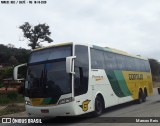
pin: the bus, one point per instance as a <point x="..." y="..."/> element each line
<point x="74" y="79"/>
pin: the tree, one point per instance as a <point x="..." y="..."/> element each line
<point x="10" y="45"/>
<point x="37" y="34"/>
<point x="12" y="56"/>
<point x="13" y="60"/>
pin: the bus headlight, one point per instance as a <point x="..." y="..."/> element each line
<point x="66" y="100"/>
<point x="28" y="103"/>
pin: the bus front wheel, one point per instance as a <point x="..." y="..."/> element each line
<point x="99" y="106"/>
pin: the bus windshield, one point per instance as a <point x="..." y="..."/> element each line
<point x="50" y="54"/>
<point x="46" y="76"/>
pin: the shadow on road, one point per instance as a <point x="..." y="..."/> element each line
<point x="88" y="118"/>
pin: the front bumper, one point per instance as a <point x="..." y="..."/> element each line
<point x="53" y="111"/>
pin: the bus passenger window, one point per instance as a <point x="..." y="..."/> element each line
<point x="97" y="59"/>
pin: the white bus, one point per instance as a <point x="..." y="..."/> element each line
<point x="73" y="79"/>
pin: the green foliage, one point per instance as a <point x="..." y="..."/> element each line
<point x="10" y="56"/>
<point x="4" y="101"/>
<point x="36" y="34"/>
<point x="12" y="95"/>
<point x="6" y="98"/>
<point x="1" y="85"/>
<point x="6" y="73"/>
<point x="13" y="60"/>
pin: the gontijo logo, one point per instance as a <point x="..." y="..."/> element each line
<point x="135" y="76"/>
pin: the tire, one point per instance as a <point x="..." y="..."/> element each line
<point x="158" y="90"/>
<point x="145" y="94"/>
<point x="144" y="97"/>
<point x="140" y="97"/>
<point x="99" y="106"/>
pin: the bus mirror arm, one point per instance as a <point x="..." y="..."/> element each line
<point x="15" y="72"/>
<point x="69" y="64"/>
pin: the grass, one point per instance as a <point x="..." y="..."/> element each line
<point x="9" y="100"/>
<point x="12" y="108"/>
<point x="11" y="97"/>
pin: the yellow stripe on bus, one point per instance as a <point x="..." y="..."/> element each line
<point x="137" y="80"/>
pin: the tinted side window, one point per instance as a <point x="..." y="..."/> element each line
<point x="142" y="65"/>
<point x="147" y="66"/>
<point x="130" y="65"/>
<point x="81" y="53"/>
<point x="97" y="59"/>
<point x="137" y="64"/>
<point x="110" y="61"/>
<point x="121" y="62"/>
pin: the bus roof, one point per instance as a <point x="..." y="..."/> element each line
<point x="117" y="51"/>
<point x="55" y="45"/>
<point x="108" y="49"/>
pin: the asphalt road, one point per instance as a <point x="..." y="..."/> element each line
<point x="150" y="110"/>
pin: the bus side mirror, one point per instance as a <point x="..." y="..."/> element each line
<point x="15" y="72"/>
<point x="69" y="64"/>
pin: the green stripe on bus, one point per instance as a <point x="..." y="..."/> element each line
<point x="122" y="82"/>
<point x="114" y="83"/>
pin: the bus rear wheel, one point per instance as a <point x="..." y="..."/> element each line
<point x="99" y="106"/>
<point x="145" y="94"/>
<point x="158" y="90"/>
<point x="140" y="97"/>
<point x="144" y="97"/>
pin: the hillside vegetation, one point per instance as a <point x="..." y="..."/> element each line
<point x="10" y="57"/>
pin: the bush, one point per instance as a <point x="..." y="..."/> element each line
<point x="6" y="73"/>
<point x="4" y="101"/>
<point x="1" y="85"/>
<point x="12" y="95"/>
